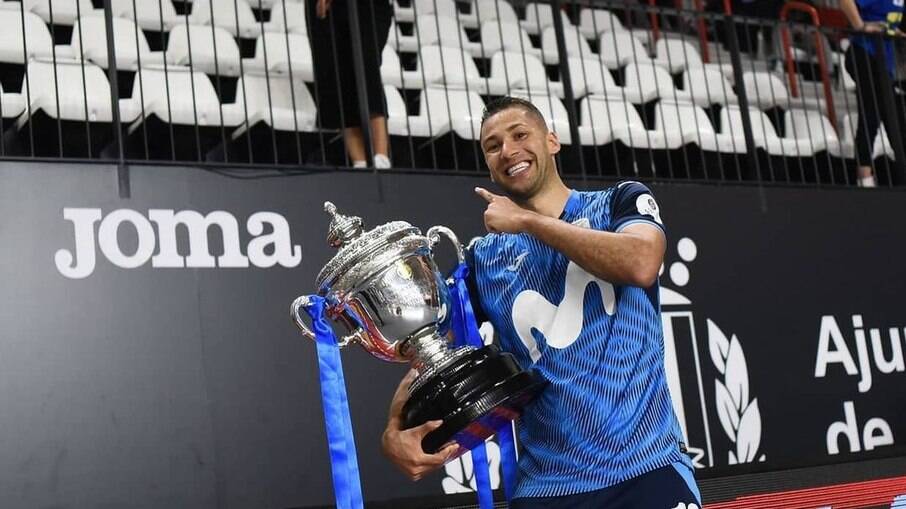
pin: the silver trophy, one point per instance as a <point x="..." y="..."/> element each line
<point x="384" y="290"/>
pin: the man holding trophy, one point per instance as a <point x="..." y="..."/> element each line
<point x="569" y="281"/>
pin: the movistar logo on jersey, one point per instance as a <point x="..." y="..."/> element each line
<point x="560" y="323"/>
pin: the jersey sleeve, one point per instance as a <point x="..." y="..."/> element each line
<point x="632" y="203"/>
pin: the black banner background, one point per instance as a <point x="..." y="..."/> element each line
<point x="163" y="387"/>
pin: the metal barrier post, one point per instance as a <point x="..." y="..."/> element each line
<point x="568" y="88"/>
<point x="358" y="61"/>
<point x="122" y="171"/>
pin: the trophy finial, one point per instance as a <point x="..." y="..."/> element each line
<point x="342" y="228"/>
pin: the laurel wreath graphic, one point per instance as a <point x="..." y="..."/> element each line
<point x="739" y="417"/>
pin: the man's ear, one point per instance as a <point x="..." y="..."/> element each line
<point x="553" y="142"/>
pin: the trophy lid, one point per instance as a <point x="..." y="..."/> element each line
<point x="363" y="252"/>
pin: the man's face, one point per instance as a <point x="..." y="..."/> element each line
<point x="519" y="151"/>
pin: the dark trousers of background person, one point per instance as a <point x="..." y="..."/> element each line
<point x="870" y="74"/>
<point x="331" y="48"/>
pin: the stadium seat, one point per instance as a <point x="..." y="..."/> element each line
<point x="462" y="108"/>
<point x="522" y="71"/>
<point x="594" y="21"/>
<point x="274" y="100"/>
<point x="539" y="16"/>
<point x="37" y="41"/>
<point x="213" y="49"/>
<point x="429" y="123"/>
<point x="392" y="72"/>
<point x="74" y="99"/>
<point x="431" y="30"/>
<point x="271" y="54"/>
<point x="576" y="45"/>
<point x="234" y="16"/>
<point x="11" y="105"/>
<point x="59" y="12"/>
<point x="89" y="37"/>
<point x="705" y="86"/>
<point x="150" y="15"/>
<point x="176" y="95"/>
<point x="619" y="48"/>
<point x="483" y="11"/>
<point x="589" y="76"/>
<point x="676" y="54"/>
<point x="610" y="118"/>
<point x="765" y="90"/>
<point x="765" y="135"/>
<point x="287" y="16"/>
<point x="695" y="127"/>
<point x="647" y="81"/>
<point x="499" y="35"/>
<point x="813" y="125"/>
<point x="553" y="111"/>
<point x="453" y="67"/>
<point x="422" y="7"/>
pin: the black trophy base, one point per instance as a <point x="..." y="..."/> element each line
<point x="475" y="396"/>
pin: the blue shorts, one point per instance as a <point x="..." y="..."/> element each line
<point x="669" y="487"/>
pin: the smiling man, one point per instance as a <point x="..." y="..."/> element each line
<point x="581" y="307"/>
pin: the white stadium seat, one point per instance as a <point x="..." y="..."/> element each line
<point x="539" y="16"/>
<point x="676" y="54"/>
<point x="608" y="118"/>
<point x="507" y="36"/>
<point x="89" y="37"/>
<point x="38" y="41"/>
<point x="594" y="21"/>
<point x="521" y="71"/>
<point x="694" y="126"/>
<point x="589" y="76"/>
<point x="392" y="72"/>
<point x="59" y="12"/>
<point x="430" y="30"/>
<point x="74" y="99"/>
<point x="150" y="15"/>
<point x="422" y="7"/>
<point x="429" y="123"/>
<point x="204" y="40"/>
<point x="11" y="105"/>
<point x="765" y="90"/>
<point x="705" y="86"/>
<point x="619" y="48"/>
<point x="483" y="11"/>
<point x="814" y="125"/>
<point x="766" y="136"/>
<point x="576" y="45"/>
<point x="647" y="81"/>
<point x="453" y="67"/>
<point x="234" y="16"/>
<point x="275" y="100"/>
<point x="177" y="95"/>
<point x="271" y="54"/>
<point x="287" y="17"/>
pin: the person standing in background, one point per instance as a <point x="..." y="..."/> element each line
<point x="332" y="56"/>
<point x="867" y="67"/>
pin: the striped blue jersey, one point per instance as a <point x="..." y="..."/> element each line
<point x="607" y="415"/>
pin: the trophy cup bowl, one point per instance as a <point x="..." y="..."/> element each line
<point x="384" y="290"/>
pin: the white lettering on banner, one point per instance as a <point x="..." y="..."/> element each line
<point x="271" y="243"/>
<point x="876" y="432"/>
<point x="832" y="348"/>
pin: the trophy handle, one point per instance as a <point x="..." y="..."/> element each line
<point x="434" y="235"/>
<point x="295" y="311"/>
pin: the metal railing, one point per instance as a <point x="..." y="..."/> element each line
<point x="634" y="90"/>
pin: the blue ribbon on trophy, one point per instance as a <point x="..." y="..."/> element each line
<point x="344" y="463"/>
<point x="383" y="286"/>
<point x="465" y="330"/>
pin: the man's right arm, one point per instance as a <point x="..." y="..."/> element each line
<point x="404" y="446"/>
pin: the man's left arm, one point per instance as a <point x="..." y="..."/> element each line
<point x="632" y="255"/>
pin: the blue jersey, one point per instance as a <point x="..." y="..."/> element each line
<point x="607" y="415"/>
<point x="888" y="12"/>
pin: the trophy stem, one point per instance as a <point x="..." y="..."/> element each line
<point x="428" y="351"/>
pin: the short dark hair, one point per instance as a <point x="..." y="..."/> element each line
<point x="507" y="102"/>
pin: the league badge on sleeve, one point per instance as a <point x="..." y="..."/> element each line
<point x="648" y="207"/>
